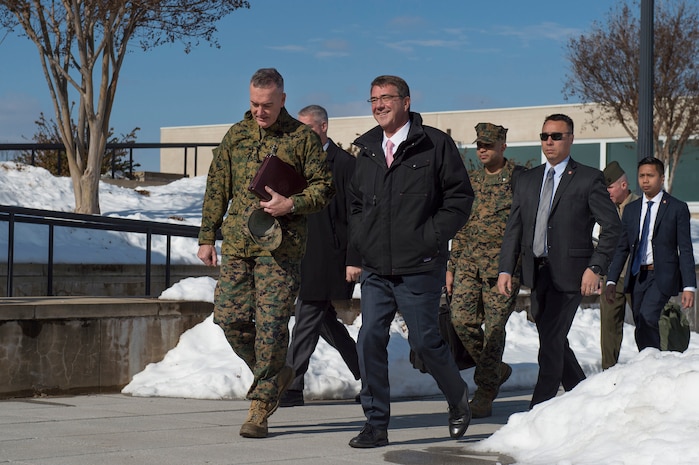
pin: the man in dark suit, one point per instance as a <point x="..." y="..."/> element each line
<point x="656" y="234"/>
<point x="329" y="269"/>
<point x="554" y="237"/>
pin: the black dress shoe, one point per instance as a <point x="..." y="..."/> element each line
<point x="459" y="417"/>
<point x="369" y="437"/>
<point x="291" y="398"/>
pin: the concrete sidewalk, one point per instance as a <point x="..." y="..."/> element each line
<point x="115" y="429"/>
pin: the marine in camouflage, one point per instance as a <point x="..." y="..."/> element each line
<point x="256" y="290"/>
<point x="474" y="262"/>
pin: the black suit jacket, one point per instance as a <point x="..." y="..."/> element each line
<point x="673" y="255"/>
<point x="327" y="251"/>
<point x="581" y="199"/>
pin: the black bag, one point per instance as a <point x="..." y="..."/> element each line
<point x="446" y="329"/>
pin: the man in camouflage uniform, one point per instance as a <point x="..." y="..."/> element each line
<point x="472" y="272"/>
<point x="258" y="283"/>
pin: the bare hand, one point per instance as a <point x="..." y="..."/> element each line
<point x="278" y="205"/>
<point x="450" y="282"/>
<point x="687" y="299"/>
<point x="505" y="284"/>
<point x="207" y="254"/>
<point x="610" y="293"/>
<point x="352" y="274"/>
<point x="590" y="284"/>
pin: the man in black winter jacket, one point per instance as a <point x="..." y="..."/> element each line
<point x="410" y="194"/>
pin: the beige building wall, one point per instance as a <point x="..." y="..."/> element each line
<point x="524" y="125"/>
<point x="195" y="161"/>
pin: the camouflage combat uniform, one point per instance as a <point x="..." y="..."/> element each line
<point x="474" y="262"/>
<point x="255" y="294"/>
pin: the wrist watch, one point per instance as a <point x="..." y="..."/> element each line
<point x="596" y="269"/>
<point x="293" y="207"/>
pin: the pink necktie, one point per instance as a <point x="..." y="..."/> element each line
<point x="389" y="152"/>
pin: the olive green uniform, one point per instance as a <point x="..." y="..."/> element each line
<point x="612" y="315"/>
<point x="475" y="252"/>
<point x="255" y="294"/>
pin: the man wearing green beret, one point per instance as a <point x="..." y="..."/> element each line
<point x="472" y="271"/>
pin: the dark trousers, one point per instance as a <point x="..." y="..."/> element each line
<point x="417" y="298"/>
<point x="553" y="312"/>
<point x="647" y="303"/>
<point x="315" y="319"/>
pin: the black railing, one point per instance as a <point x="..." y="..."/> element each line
<point x="14" y="215"/>
<point x="113" y="147"/>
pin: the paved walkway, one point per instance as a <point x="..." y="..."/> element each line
<point x="114" y="429"/>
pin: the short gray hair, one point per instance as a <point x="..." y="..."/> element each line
<point x="267" y="77"/>
<point x="316" y="112"/>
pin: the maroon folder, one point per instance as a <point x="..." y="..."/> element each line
<point x="278" y="175"/>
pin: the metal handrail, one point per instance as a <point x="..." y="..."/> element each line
<point x="113" y="146"/>
<point x="52" y="219"/>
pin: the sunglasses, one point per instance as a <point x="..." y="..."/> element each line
<point x="544" y="136"/>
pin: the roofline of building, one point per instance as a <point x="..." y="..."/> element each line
<point x="480" y="110"/>
<point x="421" y="112"/>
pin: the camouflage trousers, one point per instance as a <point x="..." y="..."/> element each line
<point x="253" y="302"/>
<point x="479" y="314"/>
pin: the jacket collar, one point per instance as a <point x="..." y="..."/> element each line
<point x="284" y="124"/>
<point x="373" y="138"/>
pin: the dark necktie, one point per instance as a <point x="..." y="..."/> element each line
<point x="643" y="243"/>
<point x="542" y="215"/>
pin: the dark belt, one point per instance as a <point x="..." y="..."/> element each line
<point x="647" y="267"/>
<point x="541" y="262"/>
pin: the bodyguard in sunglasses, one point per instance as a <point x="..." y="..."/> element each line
<point x="554" y="209"/>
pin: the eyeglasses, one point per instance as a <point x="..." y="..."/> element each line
<point x="544" y="136"/>
<point x="384" y="98"/>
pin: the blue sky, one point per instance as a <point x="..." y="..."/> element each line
<point x="455" y="55"/>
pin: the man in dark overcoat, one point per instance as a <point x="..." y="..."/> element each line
<point x="329" y="269"/>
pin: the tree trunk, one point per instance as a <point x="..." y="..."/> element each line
<point x="87" y="200"/>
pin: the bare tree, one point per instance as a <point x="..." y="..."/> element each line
<point x="82" y="45"/>
<point x="605" y="70"/>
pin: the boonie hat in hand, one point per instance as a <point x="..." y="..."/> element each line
<point x="263" y="228"/>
